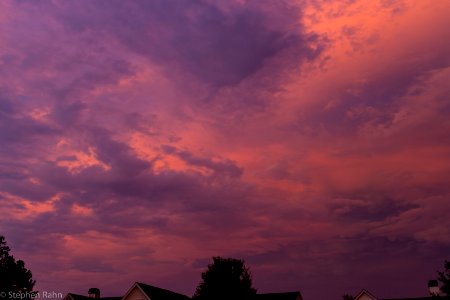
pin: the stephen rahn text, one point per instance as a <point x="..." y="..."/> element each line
<point x="33" y="295"/>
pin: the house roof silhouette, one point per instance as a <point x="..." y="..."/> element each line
<point x="279" y="296"/>
<point x="155" y="293"/>
<point x="364" y="294"/>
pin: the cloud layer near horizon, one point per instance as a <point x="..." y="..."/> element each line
<point x="310" y="138"/>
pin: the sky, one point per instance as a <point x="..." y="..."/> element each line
<point x="310" y="138"/>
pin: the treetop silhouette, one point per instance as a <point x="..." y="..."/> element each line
<point x="225" y="278"/>
<point x="14" y="277"/>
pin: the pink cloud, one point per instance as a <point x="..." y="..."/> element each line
<point x="308" y="138"/>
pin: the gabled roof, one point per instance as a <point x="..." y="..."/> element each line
<point x="77" y="297"/>
<point x="421" y="298"/>
<point x="156" y="293"/>
<point x="279" y="296"/>
<point x="365" y="292"/>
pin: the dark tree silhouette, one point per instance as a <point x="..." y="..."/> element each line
<point x="348" y="297"/>
<point x="14" y="277"/>
<point x="444" y="278"/>
<point x="225" y="279"/>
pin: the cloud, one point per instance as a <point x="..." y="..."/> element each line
<point x="226" y="167"/>
<point x="220" y="46"/>
<point x="308" y="138"/>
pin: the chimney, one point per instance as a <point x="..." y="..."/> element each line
<point x="433" y="288"/>
<point x="94" y="293"/>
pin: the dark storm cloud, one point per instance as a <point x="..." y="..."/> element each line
<point x="22" y="187"/>
<point x="23" y="130"/>
<point x="226" y="167"/>
<point x="117" y="155"/>
<point x="92" y="265"/>
<point x="133" y="186"/>
<point x="147" y="124"/>
<point x="219" y="46"/>
<point x="373" y="99"/>
<point x="6" y="106"/>
<point x="20" y="136"/>
<point x="17" y="127"/>
<point x="371" y="209"/>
